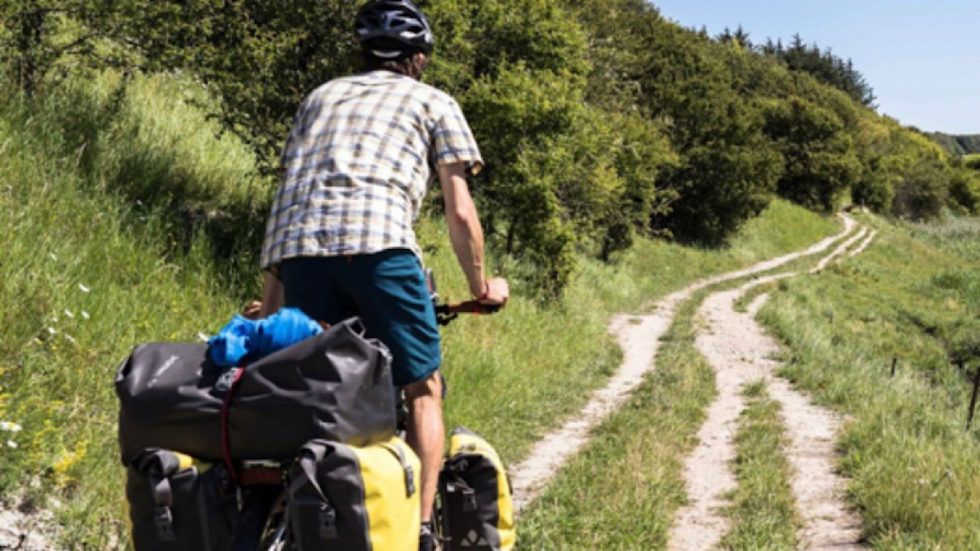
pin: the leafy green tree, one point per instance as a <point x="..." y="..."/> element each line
<point x="258" y="58"/>
<point x="726" y="170"/>
<point x="824" y="65"/>
<point x="819" y="159"/>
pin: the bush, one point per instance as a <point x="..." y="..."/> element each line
<point x="819" y="159"/>
<point x="964" y="190"/>
<point x="873" y="189"/>
<point x="921" y="192"/>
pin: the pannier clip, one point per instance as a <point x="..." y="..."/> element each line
<point x="226" y="380"/>
<point x="328" y="522"/>
<point x="164" y="522"/>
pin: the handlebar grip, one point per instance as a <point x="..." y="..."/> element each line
<point x="473" y="307"/>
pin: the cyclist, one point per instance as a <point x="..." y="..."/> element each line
<point x="339" y="238"/>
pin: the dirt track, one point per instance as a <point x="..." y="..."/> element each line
<point x="739" y="350"/>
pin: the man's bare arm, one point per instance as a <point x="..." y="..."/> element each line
<point x="272" y="295"/>
<point x="466" y="234"/>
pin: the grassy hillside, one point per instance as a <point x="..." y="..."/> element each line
<point x="958" y="144"/>
<point x="127" y="221"/>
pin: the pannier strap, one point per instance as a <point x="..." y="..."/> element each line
<point x="409" y="474"/>
<point x="229" y="380"/>
<point x="158" y="466"/>
<point x="310" y="456"/>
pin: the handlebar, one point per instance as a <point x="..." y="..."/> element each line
<point x="446" y="313"/>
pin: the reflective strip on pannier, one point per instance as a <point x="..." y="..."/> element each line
<point x="355" y="498"/>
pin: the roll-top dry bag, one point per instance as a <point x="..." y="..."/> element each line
<point x="336" y="385"/>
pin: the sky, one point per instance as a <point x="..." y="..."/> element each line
<point x="921" y="58"/>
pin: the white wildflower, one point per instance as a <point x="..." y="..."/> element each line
<point x="10" y="426"/>
<point x="54" y="319"/>
<point x="53" y="257"/>
<point x="202" y="336"/>
<point x="85" y="314"/>
<point x="68" y="313"/>
<point x="83" y="288"/>
<point x="52" y="330"/>
<point x="11" y="444"/>
<point x="70" y="339"/>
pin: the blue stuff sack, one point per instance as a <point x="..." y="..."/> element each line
<point x="256" y="339"/>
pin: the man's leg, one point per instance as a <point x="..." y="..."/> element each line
<point x="426" y="434"/>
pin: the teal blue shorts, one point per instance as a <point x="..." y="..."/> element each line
<point x="387" y="290"/>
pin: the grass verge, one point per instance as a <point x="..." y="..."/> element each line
<point x="762" y="512"/>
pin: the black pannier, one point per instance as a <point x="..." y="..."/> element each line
<point x="178" y="505"/>
<point x="476" y="511"/>
<point x="336" y="385"/>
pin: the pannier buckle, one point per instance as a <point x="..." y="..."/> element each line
<point x="226" y="380"/>
<point x="327" y="519"/>
<point x="164" y="522"/>
<point x="469" y="499"/>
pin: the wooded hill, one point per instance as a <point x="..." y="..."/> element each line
<point x="599" y="120"/>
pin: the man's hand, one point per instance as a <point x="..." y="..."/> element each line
<point x="251" y="310"/>
<point x="497" y="292"/>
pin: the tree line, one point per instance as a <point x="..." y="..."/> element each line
<point x="599" y="120"/>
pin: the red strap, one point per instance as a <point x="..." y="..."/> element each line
<point x="256" y="477"/>
<point x="225" y="440"/>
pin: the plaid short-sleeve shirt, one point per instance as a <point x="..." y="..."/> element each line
<point x="357" y="164"/>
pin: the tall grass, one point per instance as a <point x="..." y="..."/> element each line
<point x="763" y="512"/>
<point x="86" y="275"/>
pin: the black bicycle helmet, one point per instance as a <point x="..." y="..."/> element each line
<point x="389" y="28"/>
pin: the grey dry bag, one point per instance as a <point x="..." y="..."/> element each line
<point x="336" y="385"/>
